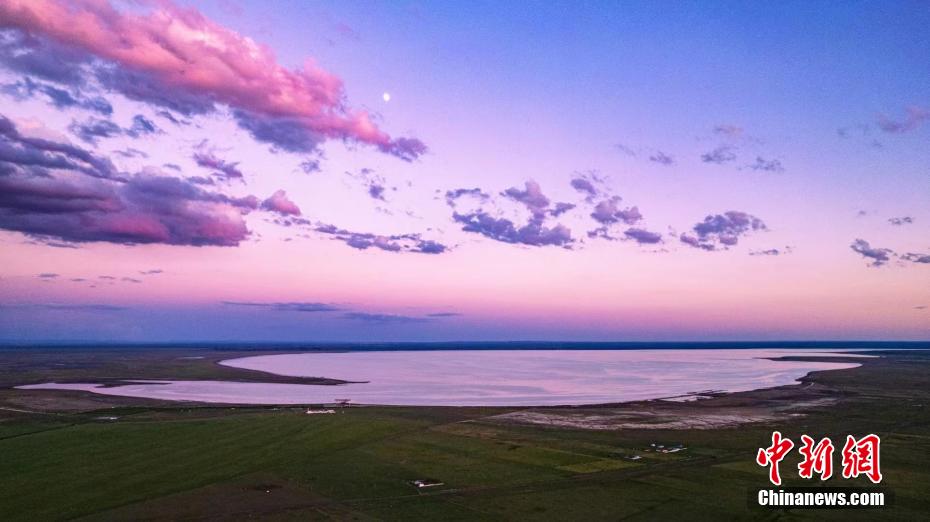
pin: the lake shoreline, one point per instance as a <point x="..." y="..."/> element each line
<point x="256" y="377"/>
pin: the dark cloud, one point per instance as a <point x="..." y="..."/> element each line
<point x="35" y="156"/>
<point x="661" y="158"/>
<point x="47" y="275"/>
<point x="94" y="129"/>
<point x="768" y="252"/>
<point x="130" y="280"/>
<point x="288" y="134"/>
<point x="287" y="306"/>
<point x="875" y="256"/>
<point x="27" y="54"/>
<point x="642" y="236"/>
<point x="765" y="165"/>
<point x="695" y="242"/>
<point x="56" y="190"/>
<point x="534" y="233"/>
<point x="383" y="318"/>
<point x="453" y="195"/>
<point x="916" y="258"/>
<point x="407" y="149"/>
<point x="310" y="166"/>
<point x="444" y="314"/>
<point x="133" y="153"/>
<point x="171" y="117"/>
<point x="608" y="212"/>
<point x="200" y="180"/>
<point x="720" y="155"/>
<point x="426" y="246"/>
<point x="146" y="88"/>
<point x="141" y="126"/>
<point x="914" y="118"/>
<point x="585" y="186"/>
<point x="221" y="168"/>
<point x="292" y="135"/>
<point x="561" y="208"/>
<point x="376" y="191"/>
<point x="145" y="209"/>
<point x="721" y="231"/>
<point x="279" y="202"/>
<point x="904" y="220"/>
<point x="60" y="98"/>
<point x="153" y="271"/>
<point x="391" y="243"/>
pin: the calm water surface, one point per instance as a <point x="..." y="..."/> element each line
<point x="487" y="378"/>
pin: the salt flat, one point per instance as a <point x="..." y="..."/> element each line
<point x="486" y="377"/>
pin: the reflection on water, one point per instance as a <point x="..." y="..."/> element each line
<point x="487" y="378"/>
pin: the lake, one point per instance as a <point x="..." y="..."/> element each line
<point x="487" y="378"/>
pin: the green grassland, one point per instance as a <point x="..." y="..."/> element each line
<point x="184" y="462"/>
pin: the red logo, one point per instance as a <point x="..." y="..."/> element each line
<point x="773" y="455"/>
<point x="817" y="459"/>
<point x="860" y="457"/>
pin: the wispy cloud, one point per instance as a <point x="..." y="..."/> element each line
<point x="383" y="318"/>
<point x="287" y="306"/>
<point x="390" y="243"/>
<point x="916" y="258"/>
<point x="221" y="168"/>
<point x="661" y="158"/>
<point x="914" y="118"/>
<point x="772" y="165"/>
<point x="719" y="156"/>
<point x="903" y="220"/>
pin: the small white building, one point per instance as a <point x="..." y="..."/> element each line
<point x="318" y="412"/>
<point x="427" y="483"/>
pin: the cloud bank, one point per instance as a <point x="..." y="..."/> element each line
<point x="178" y="59"/>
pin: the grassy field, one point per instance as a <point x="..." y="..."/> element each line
<point x="163" y="461"/>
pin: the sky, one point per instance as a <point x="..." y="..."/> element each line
<point x="438" y="171"/>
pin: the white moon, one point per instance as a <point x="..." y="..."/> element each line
<point x="386" y="97"/>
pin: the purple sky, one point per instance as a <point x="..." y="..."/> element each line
<point x="431" y="171"/>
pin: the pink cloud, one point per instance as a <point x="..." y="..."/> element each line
<point x="278" y="202"/>
<point x="184" y="51"/>
<point x="914" y="117"/>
